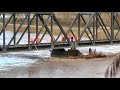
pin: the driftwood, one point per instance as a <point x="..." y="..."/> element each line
<point x="95" y="54"/>
<point x="75" y="54"/>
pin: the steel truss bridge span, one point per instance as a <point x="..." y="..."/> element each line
<point x="90" y="28"/>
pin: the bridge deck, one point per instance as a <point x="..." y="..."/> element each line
<point x="58" y="45"/>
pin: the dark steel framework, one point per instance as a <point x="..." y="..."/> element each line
<point x="91" y="29"/>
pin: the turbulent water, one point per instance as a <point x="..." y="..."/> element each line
<point x="7" y="63"/>
<point x="19" y="61"/>
<point x="11" y="60"/>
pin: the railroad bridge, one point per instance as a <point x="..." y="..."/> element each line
<point x="87" y="31"/>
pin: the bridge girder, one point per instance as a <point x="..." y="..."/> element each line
<point x="90" y="28"/>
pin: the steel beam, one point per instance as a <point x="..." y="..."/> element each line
<point x="25" y="30"/>
<point x="102" y="27"/>
<point x="41" y="28"/>
<point x="36" y="26"/>
<point x="112" y="27"/>
<point x="44" y="23"/>
<point x="52" y="42"/>
<point x="104" y="24"/>
<point x="96" y="17"/>
<point x="118" y="26"/>
<point x="86" y="13"/>
<point x="29" y="47"/>
<point x="17" y="31"/>
<point x="4" y="49"/>
<point x="6" y="23"/>
<point x="43" y="36"/>
<point x="72" y="26"/>
<point x="79" y="21"/>
<point x="58" y="37"/>
<point x="94" y="30"/>
<point x="14" y="28"/>
<point x="69" y="29"/>
<point x="61" y="28"/>
<point x="86" y="26"/>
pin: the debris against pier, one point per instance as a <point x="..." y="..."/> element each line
<point x="76" y="53"/>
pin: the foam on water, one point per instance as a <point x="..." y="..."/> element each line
<point x="8" y="62"/>
<point x="107" y="49"/>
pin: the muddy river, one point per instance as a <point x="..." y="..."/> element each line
<point x="39" y="63"/>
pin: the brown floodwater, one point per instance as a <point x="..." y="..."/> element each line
<point x="61" y="68"/>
